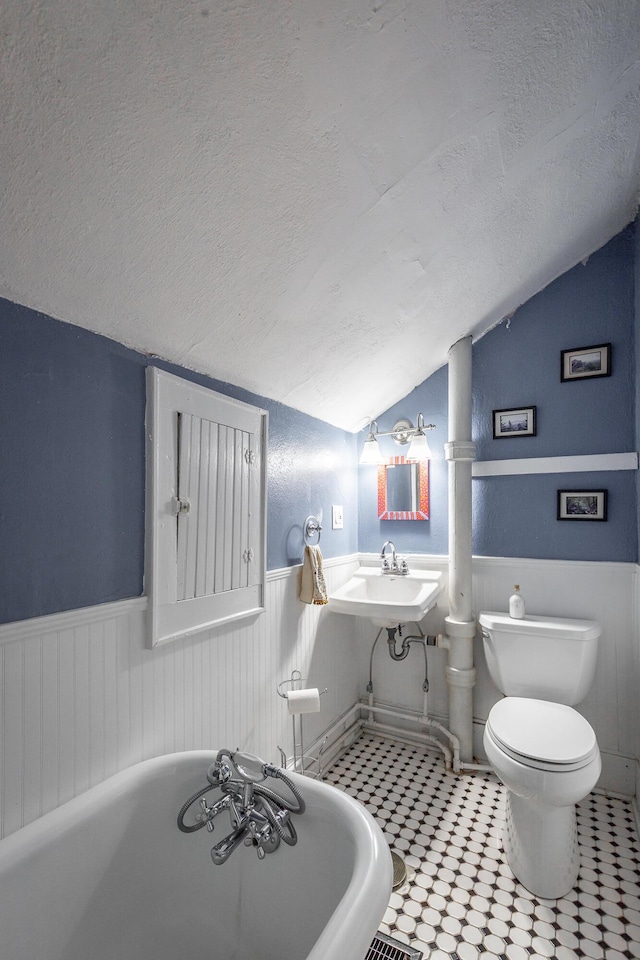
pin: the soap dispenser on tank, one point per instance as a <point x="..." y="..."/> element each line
<point x="516" y="603"/>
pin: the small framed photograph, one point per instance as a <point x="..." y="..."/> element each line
<point x="582" y="504"/>
<point x="520" y="422"/>
<point x="584" y="362"/>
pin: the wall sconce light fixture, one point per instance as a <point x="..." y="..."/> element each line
<point x="403" y="432"/>
<point x="371" y="453"/>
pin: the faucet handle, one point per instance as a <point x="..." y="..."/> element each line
<point x="207" y="814"/>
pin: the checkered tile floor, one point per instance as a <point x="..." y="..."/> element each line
<point x="461" y="901"/>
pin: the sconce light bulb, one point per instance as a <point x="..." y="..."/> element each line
<point x="371" y="451"/>
<point x="419" y="449"/>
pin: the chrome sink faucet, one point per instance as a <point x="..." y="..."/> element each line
<point x="397" y="565"/>
<point x="386" y="566"/>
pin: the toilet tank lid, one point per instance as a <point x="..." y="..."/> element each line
<point x="564" y="627"/>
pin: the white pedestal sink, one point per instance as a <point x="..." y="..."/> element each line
<point x="386" y="598"/>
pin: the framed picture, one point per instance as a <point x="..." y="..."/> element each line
<point x="582" y="504"/>
<point x="586" y="362"/>
<point x="519" y="422"/>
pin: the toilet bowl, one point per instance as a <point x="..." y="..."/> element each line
<point x="547" y="756"/>
<point x="544" y="751"/>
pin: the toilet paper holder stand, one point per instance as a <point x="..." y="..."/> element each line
<point x="297" y="682"/>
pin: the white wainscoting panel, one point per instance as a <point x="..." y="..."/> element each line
<point x="600" y="591"/>
<point x="83" y="696"/>
<point x="596" y="591"/>
<point x="636" y="677"/>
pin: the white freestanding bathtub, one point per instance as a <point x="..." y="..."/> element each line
<point x="109" y="876"/>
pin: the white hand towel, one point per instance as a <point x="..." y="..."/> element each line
<point x="313" y="588"/>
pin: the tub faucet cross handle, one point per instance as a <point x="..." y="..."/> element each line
<point x="207" y="814"/>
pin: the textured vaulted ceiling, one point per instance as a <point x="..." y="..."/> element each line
<point x="312" y="199"/>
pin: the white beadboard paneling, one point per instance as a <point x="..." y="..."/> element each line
<point x="72" y="702"/>
<point x="49" y="734"/>
<point x="13" y="773"/>
<point x="636" y="699"/>
<point x="597" y="591"/>
<point x="606" y="592"/>
<point x="86" y="722"/>
<point x="82" y="695"/>
<point x="32" y="679"/>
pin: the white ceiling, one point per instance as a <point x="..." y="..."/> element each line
<point x="312" y="199"/>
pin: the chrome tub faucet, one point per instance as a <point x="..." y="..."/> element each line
<point x="260" y="817"/>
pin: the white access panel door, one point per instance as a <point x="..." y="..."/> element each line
<point x="206" y="507"/>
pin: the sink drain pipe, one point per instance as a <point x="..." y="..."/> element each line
<point x="460" y="625"/>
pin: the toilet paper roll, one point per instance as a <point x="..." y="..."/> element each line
<point x="303" y="701"/>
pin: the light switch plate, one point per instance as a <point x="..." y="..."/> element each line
<point x="336" y="517"/>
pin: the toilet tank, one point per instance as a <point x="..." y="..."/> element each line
<point x="548" y="658"/>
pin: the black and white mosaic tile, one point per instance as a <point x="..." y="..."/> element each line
<point x="461" y="900"/>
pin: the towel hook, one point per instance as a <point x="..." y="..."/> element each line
<point x="311" y="527"/>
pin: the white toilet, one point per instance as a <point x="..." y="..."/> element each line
<point x="545" y="753"/>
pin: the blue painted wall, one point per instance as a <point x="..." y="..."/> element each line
<point x="410" y="536"/>
<point x="518" y="364"/>
<point x="72" y="468"/>
<point x="72" y="444"/>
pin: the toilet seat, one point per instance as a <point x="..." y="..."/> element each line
<point x="542" y="734"/>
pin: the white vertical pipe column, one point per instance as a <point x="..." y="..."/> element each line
<point x="460" y="625"/>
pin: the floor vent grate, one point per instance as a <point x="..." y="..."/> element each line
<point x="386" y="948"/>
